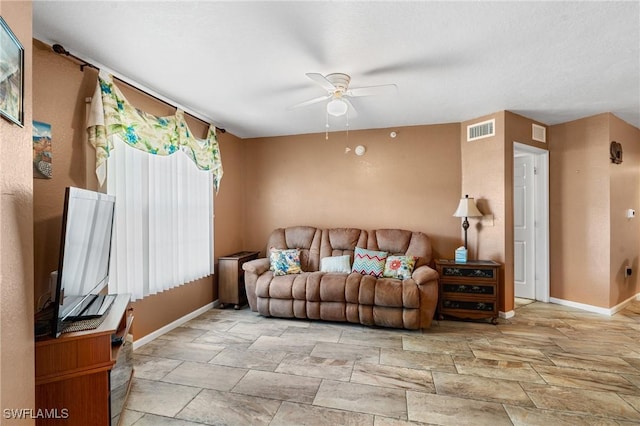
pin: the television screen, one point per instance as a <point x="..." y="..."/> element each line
<point x="83" y="266"/>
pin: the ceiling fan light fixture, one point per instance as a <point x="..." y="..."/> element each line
<point x="337" y="107"/>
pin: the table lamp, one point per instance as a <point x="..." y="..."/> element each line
<point x="466" y="208"/>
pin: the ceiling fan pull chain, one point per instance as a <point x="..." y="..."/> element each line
<point x="326" y="127"/>
<point x="347" y="126"/>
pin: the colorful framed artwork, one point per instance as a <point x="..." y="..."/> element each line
<point x="42" y="154"/>
<point x="11" y="75"/>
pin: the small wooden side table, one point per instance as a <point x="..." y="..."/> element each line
<point x="231" y="278"/>
<point x="468" y="290"/>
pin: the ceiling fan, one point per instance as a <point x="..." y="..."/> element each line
<point x="338" y="93"/>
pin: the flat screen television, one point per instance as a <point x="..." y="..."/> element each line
<point x="83" y="264"/>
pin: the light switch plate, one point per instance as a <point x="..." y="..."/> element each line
<point x="487" y="220"/>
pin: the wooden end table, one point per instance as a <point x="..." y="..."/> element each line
<point x="231" y="278"/>
<point x="468" y="290"/>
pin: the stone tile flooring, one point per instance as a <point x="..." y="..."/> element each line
<point x="548" y="365"/>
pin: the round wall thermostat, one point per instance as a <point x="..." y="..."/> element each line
<point x="360" y="150"/>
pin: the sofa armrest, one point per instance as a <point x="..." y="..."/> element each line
<point x="423" y="274"/>
<point x="257" y="266"/>
<point x="427" y="280"/>
<point x="253" y="270"/>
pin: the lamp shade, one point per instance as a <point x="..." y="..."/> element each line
<point x="337" y="107"/>
<point x="467" y="208"/>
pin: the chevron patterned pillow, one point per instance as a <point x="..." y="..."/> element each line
<point x="369" y="262"/>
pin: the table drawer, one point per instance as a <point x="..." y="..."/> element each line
<point x="467" y="288"/>
<point x="466" y="272"/>
<point x="469" y="305"/>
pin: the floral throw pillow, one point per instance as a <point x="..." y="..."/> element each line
<point x="284" y="262"/>
<point x="369" y="262"/>
<point x="399" y="267"/>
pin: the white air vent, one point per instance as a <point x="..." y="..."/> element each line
<point x="481" y="130"/>
<point x="538" y="133"/>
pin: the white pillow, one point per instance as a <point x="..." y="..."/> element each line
<point x="336" y="264"/>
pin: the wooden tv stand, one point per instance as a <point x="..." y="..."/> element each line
<point x="81" y="378"/>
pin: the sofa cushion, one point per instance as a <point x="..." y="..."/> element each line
<point x="286" y="286"/>
<point x="369" y="262"/>
<point x="285" y="262"/>
<point x="399" y="267"/>
<point x="341" y="264"/>
<point x="304" y="238"/>
<point x="340" y="241"/>
<point x="332" y="288"/>
<point x="401" y="242"/>
<point x="396" y="294"/>
<point x="360" y="289"/>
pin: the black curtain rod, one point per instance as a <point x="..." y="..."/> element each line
<point x="60" y="50"/>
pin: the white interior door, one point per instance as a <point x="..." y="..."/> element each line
<point x="524" y="226"/>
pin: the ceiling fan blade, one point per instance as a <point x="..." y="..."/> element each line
<point x="384" y="89"/>
<point x="322" y="81"/>
<point x="310" y="102"/>
<point x="352" y="110"/>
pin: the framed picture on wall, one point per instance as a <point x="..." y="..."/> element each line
<point x="11" y="75"/>
<point x="42" y="153"/>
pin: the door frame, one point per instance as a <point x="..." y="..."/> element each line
<point x="541" y="216"/>
<point x="524" y="229"/>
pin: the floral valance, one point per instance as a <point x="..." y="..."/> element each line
<point x="112" y="115"/>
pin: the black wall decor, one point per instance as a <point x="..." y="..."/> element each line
<point x="616" y="152"/>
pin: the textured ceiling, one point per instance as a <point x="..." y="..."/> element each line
<point x="242" y="64"/>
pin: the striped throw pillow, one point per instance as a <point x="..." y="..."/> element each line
<point x="369" y="262"/>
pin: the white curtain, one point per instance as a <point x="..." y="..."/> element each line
<point x="163" y="229"/>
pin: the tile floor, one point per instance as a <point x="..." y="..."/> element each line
<point x="549" y="365"/>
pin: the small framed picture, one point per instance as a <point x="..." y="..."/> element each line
<point x="11" y="75"/>
<point x="42" y="153"/>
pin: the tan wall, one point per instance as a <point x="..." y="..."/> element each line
<point x="411" y="182"/>
<point x="483" y="174"/>
<point x="17" y="385"/>
<point x="579" y="206"/>
<point x="625" y="194"/>
<point x="230" y="202"/>
<point x="483" y="178"/>
<point x="60" y="90"/>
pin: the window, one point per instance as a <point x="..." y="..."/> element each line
<point x="163" y="230"/>
<point x="164" y="180"/>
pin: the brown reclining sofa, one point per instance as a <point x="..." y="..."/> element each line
<point x="351" y="297"/>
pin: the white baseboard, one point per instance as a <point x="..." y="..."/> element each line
<point x="622" y="305"/>
<point x="175" y="324"/>
<point x="507" y="315"/>
<point x="595" y="309"/>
